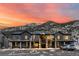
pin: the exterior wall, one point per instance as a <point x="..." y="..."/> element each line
<point x="1" y="41"/>
<point x="5" y="42"/>
<point x="17" y="38"/>
<point x="26" y="34"/>
<point x="0" y="46"/>
<point x="67" y="38"/>
<point x="56" y="37"/>
<point x="32" y="38"/>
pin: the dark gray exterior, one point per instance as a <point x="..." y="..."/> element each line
<point x="33" y="33"/>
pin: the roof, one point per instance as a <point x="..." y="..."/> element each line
<point x="16" y="32"/>
<point x="19" y="32"/>
<point x="49" y="32"/>
<point x="37" y="32"/>
<point x="41" y="32"/>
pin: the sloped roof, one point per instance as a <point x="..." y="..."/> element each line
<point x="16" y="32"/>
<point x="49" y="32"/>
<point x="1" y="37"/>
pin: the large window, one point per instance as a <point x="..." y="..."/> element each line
<point x="66" y="37"/>
<point x="50" y="37"/>
<point x="36" y="44"/>
<point x="26" y="37"/>
<point x="58" y="37"/>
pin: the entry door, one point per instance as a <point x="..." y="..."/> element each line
<point x="51" y="44"/>
<point x="23" y="44"/>
<point x="27" y="44"/>
<point x="43" y="43"/>
<point x="58" y="45"/>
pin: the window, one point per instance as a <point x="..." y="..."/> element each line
<point x="50" y="37"/>
<point x="36" y="44"/>
<point x="66" y="37"/>
<point x="26" y="36"/>
<point x="58" y="37"/>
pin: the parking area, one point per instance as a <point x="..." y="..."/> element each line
<point x="49" y="52"/>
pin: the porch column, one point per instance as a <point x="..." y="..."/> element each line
<point x="55" y="43"/>
<point x="39" y="42"/>
<point x="15" y="43"/>
<point x="10" y="44"/>
<point x="20" y="45"/>
<point x="31" y="39"/>
<point x="30" y="44"/>
<point x="46" y="43"/>
<point x="26" y="44"/>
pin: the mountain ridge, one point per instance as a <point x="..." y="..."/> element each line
<point x="47" y="24"/>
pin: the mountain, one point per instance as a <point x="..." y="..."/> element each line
<point x="48" y="26"/>
<point x="2" y="26"/>
<point x="56" y="26"/>
<point x="25" y="27"/>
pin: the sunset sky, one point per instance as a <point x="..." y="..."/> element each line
<point x="21" y="14"/>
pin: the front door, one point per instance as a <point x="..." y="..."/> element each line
<point x="43" y="43"/>
<point x="23" y="44"/>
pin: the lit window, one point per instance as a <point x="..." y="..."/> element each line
<point x="25" y="36"/>
<point x="50" y="37"/>
<point x="66" y="37"/>
<point x="36" y="44"/>
<point x="58" y="37"/>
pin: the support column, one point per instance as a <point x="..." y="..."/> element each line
<point x="55" y="43"/>
<point x="30" y="44"/>
<point x="31" y="39"/>
<point x="46" y="43"/>
<point x="26" y="44"/>
<point x="39" y="42"/>
<point x="10" y="44"/>
<point x="20" y="45"/>
<point x="58" y="44"/>
<point x="15" y="43"/>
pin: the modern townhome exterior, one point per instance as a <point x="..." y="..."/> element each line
<point x="46" y="35"/>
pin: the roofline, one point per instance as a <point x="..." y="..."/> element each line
<point x="4" y="34"/>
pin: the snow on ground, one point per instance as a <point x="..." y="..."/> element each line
<point x="30" y="52"/>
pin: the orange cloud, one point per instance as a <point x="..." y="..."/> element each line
<point x="20" y="14"/>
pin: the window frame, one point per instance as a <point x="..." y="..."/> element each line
<point x="66" y="37"/>
<point x="25" y="37"/>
